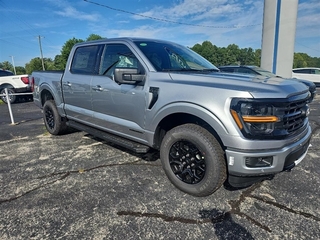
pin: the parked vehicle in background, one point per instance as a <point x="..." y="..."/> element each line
<point x="255" y="70"/>
<point x="311" y="74"/>
<point x="208" y="126"/>
<point x="5" y="73"/>
<point x="14" y="84"/>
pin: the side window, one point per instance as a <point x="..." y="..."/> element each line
<point x="302" y="71"/>
<point x="84" y="59"/>
<point x="5" y="73"/>
<point x="116" y="55"/>
<point x="316" y="71"/>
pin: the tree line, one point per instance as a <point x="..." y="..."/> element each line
<point x="232" y="54"/>
<point x="218" y="56"/>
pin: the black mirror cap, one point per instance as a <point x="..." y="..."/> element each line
<point x="127" y="75"/>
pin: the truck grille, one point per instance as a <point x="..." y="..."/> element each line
<point x="293" y="116"/>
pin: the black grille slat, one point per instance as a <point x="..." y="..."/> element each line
<point x="292" y="116"/>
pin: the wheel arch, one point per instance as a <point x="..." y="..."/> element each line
<point x="6" y="85"/>
<point x="47" y="93"/>
<point x="189" y="113"/>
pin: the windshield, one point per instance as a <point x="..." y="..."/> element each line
<point x="173" y="57"/>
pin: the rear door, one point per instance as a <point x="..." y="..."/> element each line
<point x="76" y="83"/>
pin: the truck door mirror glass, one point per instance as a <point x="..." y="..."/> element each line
<point x="127" y="75"/>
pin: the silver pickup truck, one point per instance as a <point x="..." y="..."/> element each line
<point x="210" y="127"/>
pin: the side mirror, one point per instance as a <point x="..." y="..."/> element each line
<point x="124" y="75"/>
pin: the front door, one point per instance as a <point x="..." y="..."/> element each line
<point x="118" y="108"/>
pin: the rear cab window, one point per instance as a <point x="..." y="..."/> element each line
<point x="84" y="60"/>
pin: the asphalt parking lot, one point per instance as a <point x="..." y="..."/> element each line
<point x="78" y="187"/>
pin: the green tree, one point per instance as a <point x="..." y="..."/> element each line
<point x="58" y="62"/>
<point x="207" y="50"/>
<point x="246" y="56"/>
<point x="300" y="60"/>
<point x="35" y="64"/>
<point x="257" y="57"/>
<point x="93" y="37"/>
<point x="6" y="66"/>
<point x="231" y="55"/>
<point x="61" y="60"/>
<point x="20" y="70"/>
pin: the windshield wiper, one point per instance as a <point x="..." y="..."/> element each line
<point x="209" y="70"/>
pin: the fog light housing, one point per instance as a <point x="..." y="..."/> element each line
<point x="258" y="162"/>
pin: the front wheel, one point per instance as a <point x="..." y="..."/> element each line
<point x="193" y="160"/>
<point x="12" y="98"/>
<point x="52" y="120"/>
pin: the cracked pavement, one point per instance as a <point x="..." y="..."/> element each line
<point x="79" y="187"/>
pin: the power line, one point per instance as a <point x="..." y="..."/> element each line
<point x="308" y="47"/>
<point x="20" y="23"/>
<point x="169" y="21"/>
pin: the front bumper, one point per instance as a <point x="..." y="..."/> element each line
<point x="240" y="175"/>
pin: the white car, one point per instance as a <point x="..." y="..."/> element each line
<point x="312" y="74"/>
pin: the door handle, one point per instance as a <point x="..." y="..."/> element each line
<point x="97" y="88"/>
<point x="67" y="84"/>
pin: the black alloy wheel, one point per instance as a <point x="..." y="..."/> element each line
<point x="55" y="124"/>
<point x="187" y="162"/>
<point x="49" y="118"/>
<point x="193" y="160"/>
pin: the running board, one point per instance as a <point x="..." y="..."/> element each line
<point x="123" y="142"/>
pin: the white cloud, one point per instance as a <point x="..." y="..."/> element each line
<point x="142" y="31"/>
<point x="71" y="12"/>
<point x="207" y="13"/>
<point x="67" y="9"/>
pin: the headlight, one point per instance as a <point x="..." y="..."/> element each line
<point x="254" y="119"/>
<point x="271" y="118"/>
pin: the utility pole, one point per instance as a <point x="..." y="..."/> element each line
<point x="14" y="67"/>
<point x="39" y="38"/>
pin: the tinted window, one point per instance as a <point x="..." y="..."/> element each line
<point x="5" y="73"/>
<point x="166" y="56"/>
<point x="302" y="71"/>
<point x="84" y="59"/>
<point x="116" y="55"/>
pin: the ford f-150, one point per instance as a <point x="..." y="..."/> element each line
<point x="210" y="127"/>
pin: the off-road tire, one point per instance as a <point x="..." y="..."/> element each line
<point x="193" y="160"/>
<point x="52" y="120"/>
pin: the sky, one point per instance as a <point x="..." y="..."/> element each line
<point x="24" y="24"/>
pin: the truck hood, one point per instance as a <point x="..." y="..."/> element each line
<point x="257" y="86"/>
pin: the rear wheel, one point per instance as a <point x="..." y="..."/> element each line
<point x="12" y="98"/>
<point x="193" y="160"/>
<point x="52" y="120"/>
